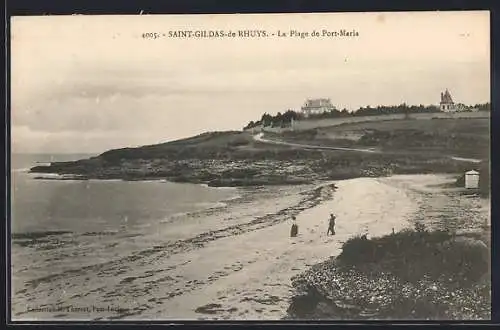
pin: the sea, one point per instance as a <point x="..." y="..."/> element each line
<point x="98" y="249"/>
<point x="82" y="206"/>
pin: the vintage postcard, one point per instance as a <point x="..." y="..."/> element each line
<point x="329" y="166"/>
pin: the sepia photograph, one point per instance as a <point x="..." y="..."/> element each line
<point x="319" y="166"/>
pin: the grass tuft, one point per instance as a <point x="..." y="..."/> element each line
<point x="412" y="274"/>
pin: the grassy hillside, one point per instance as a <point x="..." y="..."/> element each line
<point x="457" y="137"/>
<point x="235" y="158"/>
<point x="217" y="158"/>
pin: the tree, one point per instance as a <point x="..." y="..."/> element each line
<point x="483" y="107"/>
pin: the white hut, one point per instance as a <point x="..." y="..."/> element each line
<point x="472" y="179"/>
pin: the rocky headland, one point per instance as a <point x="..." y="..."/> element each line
<point x="235" y="158"/>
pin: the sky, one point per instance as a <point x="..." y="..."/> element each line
<point x="87" y="84"/>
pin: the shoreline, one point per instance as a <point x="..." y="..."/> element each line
<point x="245" y="271"/>
<point x="270" y="258"/>
<point x="155" y="261"/>
<point x="225" y="183"/>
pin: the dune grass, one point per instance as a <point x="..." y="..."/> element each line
<point x="414" y="254"/>
<point x="412" y="274"/>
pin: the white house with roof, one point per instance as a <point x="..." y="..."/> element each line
<point x="316" y="106"/>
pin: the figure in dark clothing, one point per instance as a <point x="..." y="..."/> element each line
<point x="295" y="228"/>
<point x="331" y="225"/>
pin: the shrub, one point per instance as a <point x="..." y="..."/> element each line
<point x="413" y="254"/>
<point x="357" y="249"/>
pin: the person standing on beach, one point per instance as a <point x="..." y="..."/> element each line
<point x="331" y="225"/>
<point x="295" y="228"/>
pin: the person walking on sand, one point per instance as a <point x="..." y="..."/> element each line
<point x="295" y="228"/>
<point x="331" y="225"/>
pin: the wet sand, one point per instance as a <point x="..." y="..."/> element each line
<point x="252" y="271"/>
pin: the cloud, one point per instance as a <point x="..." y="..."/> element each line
<point x="146" y="104"/>
<point x="99" y="84"/>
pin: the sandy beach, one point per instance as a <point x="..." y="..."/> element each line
<point x="270" y="258"/>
